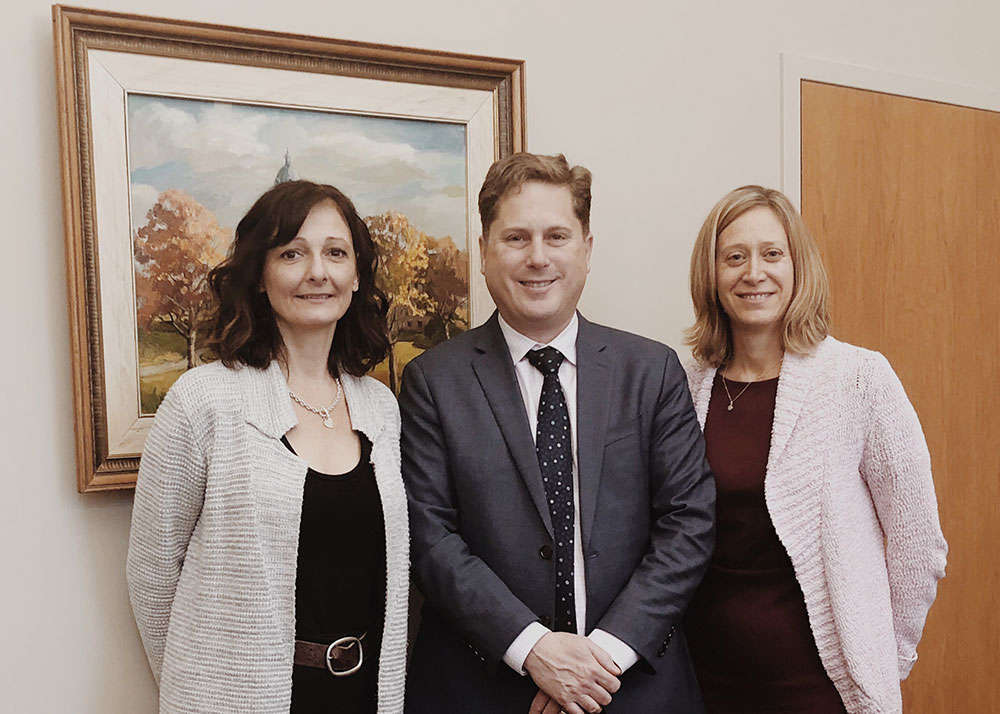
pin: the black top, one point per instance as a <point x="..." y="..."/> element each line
<point x="747" y="626"/>
<point x="340" y="582"/>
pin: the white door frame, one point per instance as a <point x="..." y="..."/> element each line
<point x="795" y="68"/>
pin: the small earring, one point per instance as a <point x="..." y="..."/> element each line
<point x="355" y="289"/>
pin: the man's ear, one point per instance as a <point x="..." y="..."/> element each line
<point x="482" y="254"/>
<point x="589" y="240"/>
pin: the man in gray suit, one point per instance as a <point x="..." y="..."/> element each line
<point x="561" y="508"/>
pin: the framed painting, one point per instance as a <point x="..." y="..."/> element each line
<point x="170" y="130"/>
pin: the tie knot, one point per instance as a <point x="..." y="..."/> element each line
<point x="546" y="360"/>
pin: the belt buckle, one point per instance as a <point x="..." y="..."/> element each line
<point x="344" y="643"/>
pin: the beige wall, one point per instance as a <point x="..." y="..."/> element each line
<point x="669" y="104"/>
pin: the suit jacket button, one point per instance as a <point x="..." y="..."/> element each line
<point x="662" y="651"/>
<point x="545" y="552"/>
<point x="546" y="620"/>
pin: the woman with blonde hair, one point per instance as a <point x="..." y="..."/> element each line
<point x="828" y="546"/>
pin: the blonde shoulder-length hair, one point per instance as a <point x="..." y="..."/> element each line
<point x="807" y="319"/>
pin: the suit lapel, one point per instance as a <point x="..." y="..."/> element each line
<point x="495" y="372"/>
<point x="593" y="404"/>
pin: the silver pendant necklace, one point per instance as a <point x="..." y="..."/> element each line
<point x="747" y="386"/>
<point x="325" y="413"/>
<point x="730" y="396"/>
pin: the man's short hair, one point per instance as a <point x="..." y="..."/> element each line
<point x="511" y="172"/>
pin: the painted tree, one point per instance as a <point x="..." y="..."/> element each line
<point x="446" y="285"/>
<point x="403" y="249"/>
<point x="174" y="252"/>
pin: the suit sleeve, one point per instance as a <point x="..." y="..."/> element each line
<point x="457" y="583"/>
<point x="169" y="494"/>
<point x="897" y="468"/>
<point x="682" y="532"/>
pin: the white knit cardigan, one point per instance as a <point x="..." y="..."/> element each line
<point x="848" y="487"/>
<point x="214" y="541"/>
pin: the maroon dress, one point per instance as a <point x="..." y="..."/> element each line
<point x="747" y="626"/>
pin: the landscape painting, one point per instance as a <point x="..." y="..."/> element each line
<point x="196" y="166"/>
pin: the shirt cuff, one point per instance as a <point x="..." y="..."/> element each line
<point x="520" y="648"/>
<point x="623" y="655"/>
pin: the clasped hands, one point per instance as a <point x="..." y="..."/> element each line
<point x="573" y="675"/>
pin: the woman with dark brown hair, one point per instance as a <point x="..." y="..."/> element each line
<point x="268" y="556"/>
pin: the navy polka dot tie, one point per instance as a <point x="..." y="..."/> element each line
<point x="555" y="457"/>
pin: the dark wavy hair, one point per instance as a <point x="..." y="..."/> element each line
<point x="244" y="329"/>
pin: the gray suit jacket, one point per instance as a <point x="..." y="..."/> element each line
<point x="479" y="519"/>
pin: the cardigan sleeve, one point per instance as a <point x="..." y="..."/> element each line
<point x="168" y="497"/>
<point x="897" y="468"/>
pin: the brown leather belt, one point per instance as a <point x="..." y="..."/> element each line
<point x="342" y="657"/>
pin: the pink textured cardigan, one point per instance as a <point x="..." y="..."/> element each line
<point x="848" y="487"/>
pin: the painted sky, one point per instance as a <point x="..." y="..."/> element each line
<point x="226" y="155"/>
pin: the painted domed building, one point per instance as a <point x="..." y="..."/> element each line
<point x="286" y="172"/>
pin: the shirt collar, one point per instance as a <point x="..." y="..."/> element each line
<point x="519" y="345"/>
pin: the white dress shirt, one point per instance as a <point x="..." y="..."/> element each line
<point x="530" y="382"/>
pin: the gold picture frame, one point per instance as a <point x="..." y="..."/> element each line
<point x="103" y="57"/>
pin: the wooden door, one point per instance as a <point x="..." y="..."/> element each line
<point x="904" y="197"/>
